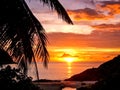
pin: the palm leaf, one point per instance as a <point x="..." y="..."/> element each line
<point x="18" y="27"/>
<point x="17" y="31"/>
<point x="55" y="5"/>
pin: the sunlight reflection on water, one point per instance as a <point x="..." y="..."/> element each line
<point x="61" y="71"/>
<point x="68" y="88"/>
<point x="69" y="71"/>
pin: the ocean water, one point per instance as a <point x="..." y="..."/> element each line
<point x="61" y="71"/>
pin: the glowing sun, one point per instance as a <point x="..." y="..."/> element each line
<point x="69" y="59"/>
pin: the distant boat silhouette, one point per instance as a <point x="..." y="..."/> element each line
<point x="5" y="58"/>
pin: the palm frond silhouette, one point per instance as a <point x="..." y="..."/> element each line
<point x="19" y="27"/>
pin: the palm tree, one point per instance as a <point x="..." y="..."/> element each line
<point x="5" y="58"/>
<point x="18" y="29"/>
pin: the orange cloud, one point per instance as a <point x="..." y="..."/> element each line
<point x="99" y="39"/>
<point x="108" y="27"/>
<point x="86" y="14"/>
<point x="110" y="7"/>
<point x="103" y="11"/>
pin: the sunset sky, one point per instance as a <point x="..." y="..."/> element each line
<point x="94" y="35"/>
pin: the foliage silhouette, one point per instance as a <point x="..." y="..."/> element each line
<point x="5" y="58"/>
<point x="18" y="29"/>
<point x="14" y="79"/>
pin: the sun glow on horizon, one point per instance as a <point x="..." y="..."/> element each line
<point x="87" y="54"/>
<point x="69" y="59"/>
<point x="69" y="55"/>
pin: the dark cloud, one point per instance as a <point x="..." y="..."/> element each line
<point x="103" y="10"/>
<point x="68" y="55"/>
<point x="37" y="5"/>
<point x="110" y="2"/>
<point x="77" y="4"/>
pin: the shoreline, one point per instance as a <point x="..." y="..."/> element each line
<point x="60" y="84"/>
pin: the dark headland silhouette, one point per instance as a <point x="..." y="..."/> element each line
<point x="107" y="76"/>
<point x="105" y="70"/>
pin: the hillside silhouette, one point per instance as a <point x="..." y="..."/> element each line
<point x="105" y="70"/>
